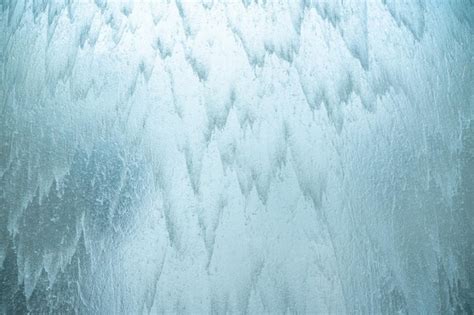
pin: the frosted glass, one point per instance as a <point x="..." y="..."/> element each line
<point x="256" y="157"/>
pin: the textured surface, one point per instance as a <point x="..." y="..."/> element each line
<point x="239" y="156"/>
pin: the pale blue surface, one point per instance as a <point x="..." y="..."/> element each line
<point x="237" y="157"/>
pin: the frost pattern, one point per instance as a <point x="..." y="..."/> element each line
<point x="227" y="157"/>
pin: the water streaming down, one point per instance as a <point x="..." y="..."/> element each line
<point x="179" y="156"/>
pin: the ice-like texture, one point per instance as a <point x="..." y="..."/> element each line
<point x="237" y="156"/>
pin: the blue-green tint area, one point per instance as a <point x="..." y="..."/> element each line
<point x="258" y="157"/>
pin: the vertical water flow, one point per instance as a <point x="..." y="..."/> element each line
<point x="237" y="157"/>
